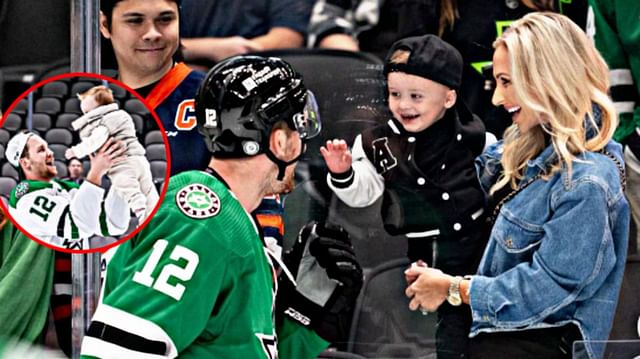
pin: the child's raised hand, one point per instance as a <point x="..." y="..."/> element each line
<point x="337" y="155"/>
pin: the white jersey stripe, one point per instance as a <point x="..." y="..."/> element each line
<point x="105" y="350"/>
<point x="620" y="77"/>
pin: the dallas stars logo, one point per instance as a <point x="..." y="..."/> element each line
<point x="21" y="189"/>
<point x="198" y="201"/>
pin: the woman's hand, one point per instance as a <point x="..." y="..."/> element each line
<point x="428" y="287"/>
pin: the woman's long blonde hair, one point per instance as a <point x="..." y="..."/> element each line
<point x="557" y="75"/>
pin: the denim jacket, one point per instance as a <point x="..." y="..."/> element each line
<point x="557" y="249"/>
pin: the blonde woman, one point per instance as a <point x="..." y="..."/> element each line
<point x="552" y="269"/>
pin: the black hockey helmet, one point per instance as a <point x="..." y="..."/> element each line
<point x="242" y="97"/>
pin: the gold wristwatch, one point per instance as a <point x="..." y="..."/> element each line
<point x="453" y="294"/>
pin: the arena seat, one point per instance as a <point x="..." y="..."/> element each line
<point x="59" y="135"/>
<point x="9" y="171"/>
<point x="62" y="169"/>
<point x="13" y="123"/>
<point x="72" y="105"/>
<point x="5" y="136"/>
<point x="64" y="120"/>
<point x="57" y="89"/>
<point x="6" y="186"/>
<point x="156" y="152"/>
<point x="58" y="151"/>
<point x="41" y="122"/>
<point x="49" y="105"/>
<point x="153" y="137"/>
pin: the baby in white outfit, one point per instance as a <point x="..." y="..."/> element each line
<point x="102" y="119"/>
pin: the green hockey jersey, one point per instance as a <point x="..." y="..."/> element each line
<point x="196" y="282"/>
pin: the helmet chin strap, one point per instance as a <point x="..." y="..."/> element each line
<point x="282" y="165"/>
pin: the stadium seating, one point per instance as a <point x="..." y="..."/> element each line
<point x="64" y="120"/>
<point x="62" y="169"/>
<point x="6" y="185"/>
<point x="21" y="107"/>
<point x="82" y="86"/>
<point x="158" y="169"/>
<point x="58" y="151"/>
<point x="9" y="171"/>
<point x="48" y="105"/>
<point x="57" y="89"/>
<point x="72" y="105"/>
<point x="59" y="135"/>
<point x="41" y="122"/>
<point x="119" y="93"/>
<point x="153" y="137"/>
<point x="156" y="152"/>
<point x="5" y="136"/>
<point x="13" y="123"/>
<point x="138" y="122"/>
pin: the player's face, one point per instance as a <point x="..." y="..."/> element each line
<point x="504" y="94"/>
<point x="295" y="148"/>
<point x="39" y="164"/>
<point x="417" y="102"/>
<point x="144" y="35"/>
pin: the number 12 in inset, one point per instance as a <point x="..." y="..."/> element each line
<point x="46" y="205"/>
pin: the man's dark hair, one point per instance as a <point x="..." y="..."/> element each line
<point x="73" y="159"/>
<point x="108" y="56"/>
<point x="106" y="6"/>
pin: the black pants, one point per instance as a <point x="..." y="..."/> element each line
<point x="455" y="258"/>
<point x="452" y="333"/>
<point x="549" y="343"/>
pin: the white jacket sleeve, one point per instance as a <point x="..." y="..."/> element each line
<point x="85" y="208"/>
<point x="92" y="143"/>
<point x="364" y="186"/>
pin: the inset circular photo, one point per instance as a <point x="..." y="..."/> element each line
<point x="84" y="162"/>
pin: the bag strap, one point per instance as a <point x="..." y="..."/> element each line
<point x="508" y="197"/>
<point x="621" y="170"/>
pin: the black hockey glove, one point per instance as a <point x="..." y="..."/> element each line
<point x="328" y="280"/>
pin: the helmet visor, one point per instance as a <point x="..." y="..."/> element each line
<point x="308" y="122"/>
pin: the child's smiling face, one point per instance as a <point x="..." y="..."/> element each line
<point x="417" y="102"/>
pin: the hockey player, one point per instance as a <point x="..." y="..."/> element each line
<point x="198" y="281"/>
<point x="58" y="212"/>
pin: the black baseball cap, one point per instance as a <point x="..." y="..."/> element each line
<point x="430" y="57"/>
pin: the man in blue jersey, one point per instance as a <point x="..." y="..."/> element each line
<point x="144" y="35"/>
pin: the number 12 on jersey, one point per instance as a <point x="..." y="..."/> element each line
<point x="161" y="284"/>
